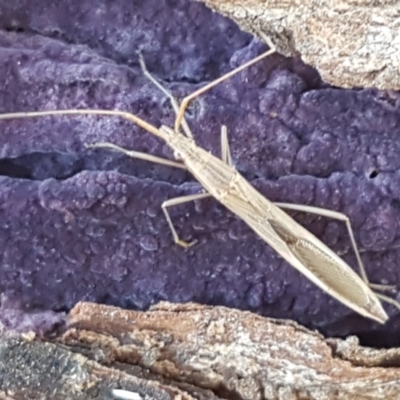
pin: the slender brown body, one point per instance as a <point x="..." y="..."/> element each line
<point x="295" y="244"/>
<point x="222" y="181"/>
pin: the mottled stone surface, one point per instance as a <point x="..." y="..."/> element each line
<point x="79" y="224"/>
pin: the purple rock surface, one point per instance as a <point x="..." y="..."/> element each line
<point x="84" y="224"/>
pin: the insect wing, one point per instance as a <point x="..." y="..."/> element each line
<point x="332" y="272"/>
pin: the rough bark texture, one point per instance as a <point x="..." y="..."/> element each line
<point x="34" y="367"/>
<point x="351" y="43"/>
<point x="31" y="369"/>
<point x="193" y="352"/>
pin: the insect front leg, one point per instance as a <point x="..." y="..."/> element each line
<point x="185" y="102"/>
<point x="174" y="202"/>
<point x="138" y="154"/>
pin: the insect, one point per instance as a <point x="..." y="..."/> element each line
<point x="222" y="181"/>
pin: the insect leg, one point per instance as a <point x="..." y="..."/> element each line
<point x="389" y="300"/>
<point x="225" y="150"/>
<point x="341" y="217"/>
<point x="138" y="154"/>
<point x="188" y="99"/>
<point x="174" y="202"/>
<point x="174" y="102"/>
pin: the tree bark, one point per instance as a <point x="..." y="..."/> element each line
<point x="351" y="43"/>
<point x="190" y="351"/>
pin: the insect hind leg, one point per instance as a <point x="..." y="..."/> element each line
<point x="341" y="217"/>
<point x="388" y="299"/>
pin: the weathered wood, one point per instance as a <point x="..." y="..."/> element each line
<point x="351" y="43"/>
<point x="190" y="351"/>
<point x="32" y="369"/>
<point x="236" y="354"/>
